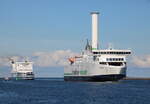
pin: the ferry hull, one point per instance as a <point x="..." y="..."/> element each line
<point x="97" y="78"/>
<point x="22" y="78"/>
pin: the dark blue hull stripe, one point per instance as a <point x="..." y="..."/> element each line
<point x="97" y="78"/>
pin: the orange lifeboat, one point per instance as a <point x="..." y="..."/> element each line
<point x="72" y="60"/>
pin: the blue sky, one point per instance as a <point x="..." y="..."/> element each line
<point x="28" y="26"/>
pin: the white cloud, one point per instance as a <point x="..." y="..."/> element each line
<point x="5" y="61"/>
<point x="52" y="59"/>
<point x="141" y="61"/>
<point x="60" y="58"/>
<point x="42" y="59"/>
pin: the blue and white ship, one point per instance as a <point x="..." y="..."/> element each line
<point x="22" y="70"/>
<point x="96" y="64"/>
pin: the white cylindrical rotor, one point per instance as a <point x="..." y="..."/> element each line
<point x="95" y="30"/>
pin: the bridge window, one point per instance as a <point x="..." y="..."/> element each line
<point x="107" y="59"/>
<point x="112" y="52"/>
<point x="115" y="63"/>
<point x="104" y="63"/>
<point x="114" y="59"/>
<point x="129" y="53"/>
<point x="95" y="52"/>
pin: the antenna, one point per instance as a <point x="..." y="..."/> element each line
<point x="110" y="46"/>
<point x="26" y="59"/>
<point x="88" y="46"/>
<point x="12" y="60"/>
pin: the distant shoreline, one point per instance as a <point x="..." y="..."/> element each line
<point x="136" y="78"/>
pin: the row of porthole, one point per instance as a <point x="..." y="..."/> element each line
<point x="115" y="59"/>
<point x="111" y="52"/>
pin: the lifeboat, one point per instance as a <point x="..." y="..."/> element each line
<point x="72" y="60"/>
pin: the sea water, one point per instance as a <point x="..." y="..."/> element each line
<point x="57" y="91"/>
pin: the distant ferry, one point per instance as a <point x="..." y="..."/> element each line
<point x="22" y="70"/>
<point x="97" y="65"/>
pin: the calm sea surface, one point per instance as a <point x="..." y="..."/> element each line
<point x="56" y="91"/>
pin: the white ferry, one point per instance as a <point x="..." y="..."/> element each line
<point x="22" y="70"/>
<point x="97" y="64"/>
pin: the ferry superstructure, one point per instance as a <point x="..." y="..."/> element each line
<point x="22" y="70"/>
<point x="97" y="64"/>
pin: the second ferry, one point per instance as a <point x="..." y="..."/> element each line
<point x="22" y="70"/>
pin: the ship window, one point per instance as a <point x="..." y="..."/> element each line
<point x="110" y="59"/>
<point x="95" y="52"/>
<point x="128" y="52"/>
<point x="115" y="63"/>
<point x="94" y="58"/>
<point x="104" y="63"/>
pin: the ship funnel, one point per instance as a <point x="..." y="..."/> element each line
<point x="95" y="30"/>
